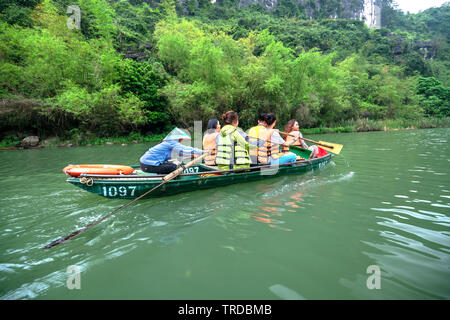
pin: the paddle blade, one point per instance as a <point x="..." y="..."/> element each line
<point x="332" y="147"/>
<point x="64" y="239"/>
<point x="304" y="153"/>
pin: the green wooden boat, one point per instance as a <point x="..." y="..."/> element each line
<point x="197" y="177"/>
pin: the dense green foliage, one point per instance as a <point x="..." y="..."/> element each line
<point x="141" y="66"/>
<point x="76" y="78"/>
<point x="434" y="97"/>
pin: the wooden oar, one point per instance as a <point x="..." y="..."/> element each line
<point x="302" y="152"/>
<point x="165" y="179"/>
<point x="332" y="147"/>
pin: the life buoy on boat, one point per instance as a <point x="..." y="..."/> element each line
<point x="106" y="169"/>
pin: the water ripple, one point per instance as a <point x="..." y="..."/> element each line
<point x="374" y="204"/>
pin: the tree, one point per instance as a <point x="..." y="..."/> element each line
<point x="434" y="97"/>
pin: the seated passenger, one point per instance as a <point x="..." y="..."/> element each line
<point x="209" y="141"/>
<point x="270" y="152"/>
<point x="155" y="160"/>
<point x="254" y="137"/>
<point x="292" y="128"/>
<point x="232" y="148"/>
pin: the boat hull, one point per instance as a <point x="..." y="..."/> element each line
<point x="133" y="186"/>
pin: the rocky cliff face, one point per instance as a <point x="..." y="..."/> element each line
<point x="402" y="45"/>
<point x="427" y="49"/>
<point x="268" y="4"/>
<point x="344" y="9"/>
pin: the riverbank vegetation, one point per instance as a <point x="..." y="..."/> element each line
<point x="136" y="68"/>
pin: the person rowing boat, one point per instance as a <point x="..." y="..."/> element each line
<point x="155" y="160"/>
<point x="295" y="138"/>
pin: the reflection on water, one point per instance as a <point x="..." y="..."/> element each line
<point x="272" y="212"/>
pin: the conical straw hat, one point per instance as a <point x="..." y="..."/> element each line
<point x="176" y="134"/>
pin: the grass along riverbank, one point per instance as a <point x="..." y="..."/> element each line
<point x="360" y="125"/>
<point x="365" y="125"/>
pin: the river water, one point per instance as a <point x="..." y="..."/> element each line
<point x="382" y="204"/>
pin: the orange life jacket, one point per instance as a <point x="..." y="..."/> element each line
<point x="209" y="144"/>
<point x="268" y="149"/>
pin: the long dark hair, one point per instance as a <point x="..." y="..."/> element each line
<point x="270" y="118"/>
<point x="289" y="127"/>
<point x="262" y="117"/>
<point x="212" y="125"/>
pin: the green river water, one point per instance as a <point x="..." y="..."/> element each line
<point x="383" y="202"/>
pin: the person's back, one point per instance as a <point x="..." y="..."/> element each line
<point x="273" y="143"/>
<point x="209" y="141"/>
<point x="269" y="149"/>
<point x="157" y="154"/>
<point x="155" y="160"/>
<point x="232" y="148"/>
<point x="255" y="136"/>
<point x="210" y="145"/>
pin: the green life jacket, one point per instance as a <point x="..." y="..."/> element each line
<point x="230" y="152"/>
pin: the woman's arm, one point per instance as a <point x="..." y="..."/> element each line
<point x="303" y="143"/>
<point x="239" y="137"/>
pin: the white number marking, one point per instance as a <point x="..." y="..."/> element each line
<point x="123" y="191"/>
<point x="191" y="170"/>
<point x="112" y="191"/>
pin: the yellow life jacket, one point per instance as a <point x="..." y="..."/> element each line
<point x="229" y="151"/>
<point x="209" y="144"/>
<point x="254" y="134"/>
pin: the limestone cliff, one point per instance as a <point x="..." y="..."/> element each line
<point x="368" y="10"/>
<point x="344" y="9"/>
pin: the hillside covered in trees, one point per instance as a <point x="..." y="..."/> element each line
<point x="139" y="67"/>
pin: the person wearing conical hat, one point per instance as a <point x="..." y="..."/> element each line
<point x="155" y="160"/>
